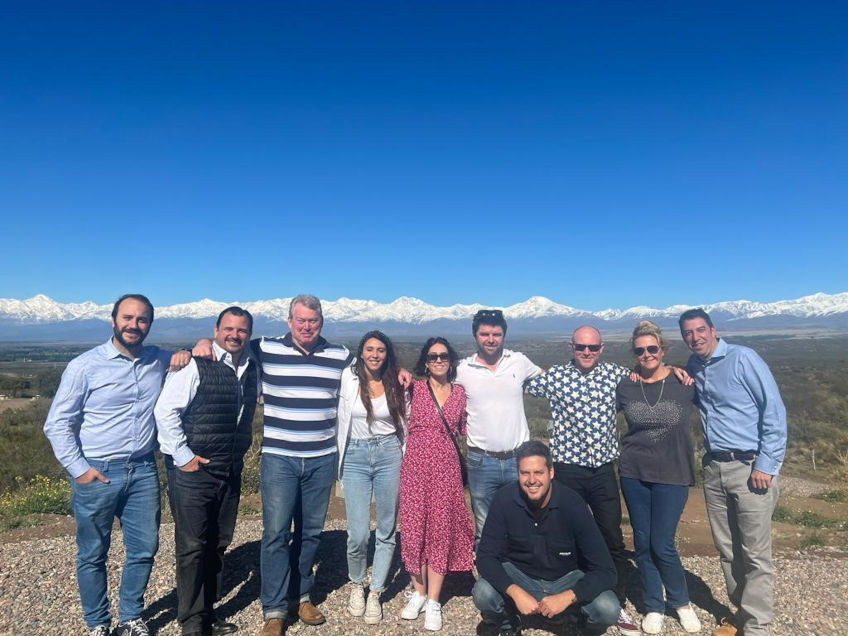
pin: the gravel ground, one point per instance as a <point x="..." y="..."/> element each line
<point x="38" y="593"/>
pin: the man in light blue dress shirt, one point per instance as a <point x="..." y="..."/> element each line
<point x="744" y="424"/>
<point x="102" y="430"/>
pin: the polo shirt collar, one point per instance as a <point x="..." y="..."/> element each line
<point x="472" y="359"/>
<point x="319" y="346"/>
<point x="518" y="498"/>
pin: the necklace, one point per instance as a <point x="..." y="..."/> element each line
<point x="642" y="386"/>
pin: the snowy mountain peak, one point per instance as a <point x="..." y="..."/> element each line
<point x="410" y="310"/>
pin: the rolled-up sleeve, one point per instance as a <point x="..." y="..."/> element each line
<point x="178" y="392"/>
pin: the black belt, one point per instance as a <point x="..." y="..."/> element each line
<point x="731" y="456"/>
<point x="496" y="454"/>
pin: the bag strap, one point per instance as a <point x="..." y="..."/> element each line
<point x="439" y="409"/>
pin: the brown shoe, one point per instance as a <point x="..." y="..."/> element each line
<point x="724" y="628"/>
<point x="272" y="627"/>
<point x="310" y="614"/>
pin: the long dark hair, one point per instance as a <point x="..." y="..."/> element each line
<point x="421" y="365"/>
<point x="388" y="373"/>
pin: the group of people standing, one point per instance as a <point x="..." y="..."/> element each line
<point x="546" y="522"/>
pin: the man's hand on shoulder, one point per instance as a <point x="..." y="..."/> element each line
<point x="524" y="602"/>
<point x="405" y="378"/>
<point x="90" y="475"/>
<point x="682" y="375"/>
<point x="555" y="604"/>
<point x="203" y="349"/>
<point x="194" y="465"/>
<point x="179" y="360"/>
<point x="760" y="481"/>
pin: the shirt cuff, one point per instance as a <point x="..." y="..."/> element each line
<point x="766" y="465"/>
<point x="78" y="467"/>
<point x="183" y="456"/>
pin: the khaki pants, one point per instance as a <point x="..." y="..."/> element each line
<point x="740" y="520"/>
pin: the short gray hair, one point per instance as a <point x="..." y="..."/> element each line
<point x="307" y="300"/>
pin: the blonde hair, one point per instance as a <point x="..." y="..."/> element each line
<point x="648" y="328"/>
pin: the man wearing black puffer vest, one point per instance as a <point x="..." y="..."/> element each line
<point x="203" y="417"/>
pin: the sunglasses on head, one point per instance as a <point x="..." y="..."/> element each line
<point x="652" y="349"/>
<point x="582" y="347"/>
<point x="489" y="313"/>
<point x="432" y="357"/>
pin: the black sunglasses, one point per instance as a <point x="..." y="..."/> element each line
<point x="582" y="347"/>
<point x="652" y="349"/>
<point x="489" y="313"/>
<point x="432" y="357"/>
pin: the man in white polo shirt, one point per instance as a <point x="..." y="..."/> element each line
<point x="493" y="379"/>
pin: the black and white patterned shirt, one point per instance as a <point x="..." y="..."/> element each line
<point x="583" y="408"/>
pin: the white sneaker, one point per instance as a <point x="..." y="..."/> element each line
<point x="414" y="606"/>
<point x="433" y="616"/>
<point x="688" y="619"/>
<point x="652" y="623"/>
<point x="356" y="602"/>
<point x="373" y="610"/>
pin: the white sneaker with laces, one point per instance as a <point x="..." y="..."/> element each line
<point x="433" y="616"/>
<point x="414" y="606"/>
<point x="356" y="601"/>
<point x="653" y="623"/>
<point x="688" y="619"/>
<point x="373" y="609"/>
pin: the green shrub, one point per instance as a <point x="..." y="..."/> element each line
<point x="812" y="540"/>
<point x="835" y="496"/>
<point x="39" y="494"/>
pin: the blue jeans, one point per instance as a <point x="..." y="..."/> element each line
<point x="486" y="475"/>
<point x="132" y="495"/>
<point x="371" y="466"/>
<point x="600" y="612"/>
<point x="655" y="510"/>
<point x="293" y="489"/>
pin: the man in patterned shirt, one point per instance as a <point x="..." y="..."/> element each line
<point x="584" y="442"/>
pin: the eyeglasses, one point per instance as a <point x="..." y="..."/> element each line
<point x="433" y="357"/>
<point x="489" y="313"/>
<point x="594" y="348"/>
<point x="652" y="349"/>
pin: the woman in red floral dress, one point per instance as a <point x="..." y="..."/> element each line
<point x="437" y="535"/>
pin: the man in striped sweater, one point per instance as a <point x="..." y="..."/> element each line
<point x="300" y="375"/>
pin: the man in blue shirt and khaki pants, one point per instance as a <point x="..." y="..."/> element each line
<point x="744" y="425"/>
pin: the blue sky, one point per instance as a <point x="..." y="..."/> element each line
<point x="602" y="154"/>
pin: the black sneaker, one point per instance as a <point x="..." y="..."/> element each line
<point x="219" y="628"/>
<point x="132" y="627"/>
<point x="100" y="630"/>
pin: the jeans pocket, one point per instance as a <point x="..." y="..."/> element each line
<point x="474" y="460"/>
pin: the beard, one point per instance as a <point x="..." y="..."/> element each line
<point x="119" y="336"/>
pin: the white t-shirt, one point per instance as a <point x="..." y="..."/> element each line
<point x="382" y="424"/>
<point x="495" y="400"/>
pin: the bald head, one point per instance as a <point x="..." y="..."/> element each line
<point x="587" y="347"/>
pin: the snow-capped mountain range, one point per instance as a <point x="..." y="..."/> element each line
<point x="40" y="316"/>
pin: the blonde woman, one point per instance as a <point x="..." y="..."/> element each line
<point x="656" y="469"/>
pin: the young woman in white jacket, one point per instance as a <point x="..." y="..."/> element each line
<point x="370" y="436"/>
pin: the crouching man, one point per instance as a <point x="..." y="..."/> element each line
<point x="542" y="553"/>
